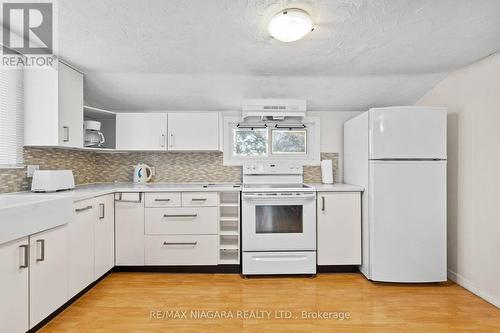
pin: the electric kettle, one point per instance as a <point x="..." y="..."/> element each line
<point x="142" y="173"/>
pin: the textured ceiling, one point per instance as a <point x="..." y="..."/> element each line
<point x="210" y="54"/>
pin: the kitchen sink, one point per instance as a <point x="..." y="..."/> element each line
<point x="26" y="214"/>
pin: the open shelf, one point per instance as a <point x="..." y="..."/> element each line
<point x="108" y="127"/>
<point x="229" y="228"/>
<point x="229" y="257"/>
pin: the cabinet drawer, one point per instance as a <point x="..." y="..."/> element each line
<point x="165" y="199"/>
<point x="199" y="199"/>
<point x="178" y="221"/>
<point x="181" y="250"/>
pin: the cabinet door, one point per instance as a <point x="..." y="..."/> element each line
<point x="141" y="131"/>
<point x="129" y="228"/>
<point x="193" y="131"/>
<point x="14" y="286"/>
<point x="81" y="247"/>
<point x="70" y="107"/>
<point x="339" y="228"/>
<point x="104" y="236"/>
<point x="48" y="273"/>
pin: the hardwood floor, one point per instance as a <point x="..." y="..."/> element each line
<point x="124" y="302"/>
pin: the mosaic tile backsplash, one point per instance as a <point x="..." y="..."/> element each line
<point x="173" y="167"/>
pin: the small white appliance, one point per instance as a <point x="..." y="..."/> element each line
<point x="398" y="155"/>
<point x="278" y="220"/>
<point x="93" y="135"/>
<point x="52" y="180"/>
<point x="142" y="173"/>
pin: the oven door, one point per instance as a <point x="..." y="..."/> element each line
<point x="272" y="222"/>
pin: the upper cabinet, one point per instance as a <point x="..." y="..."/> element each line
<point x="193" y="131"/>
<point x="53" y="107"/>
<point x="173" y="131"/>
<point x="141" y="131"/>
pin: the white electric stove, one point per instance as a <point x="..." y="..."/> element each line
<point x="278" y="220"/>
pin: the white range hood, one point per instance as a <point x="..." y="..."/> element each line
<point x="276" y="109"/>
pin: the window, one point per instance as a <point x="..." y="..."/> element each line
<point x="11" y="117"/>
<point x="254" y="139"/>
<point x="289" y="141"/>
<point x="250" y="142"/>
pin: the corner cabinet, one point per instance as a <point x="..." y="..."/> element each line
<point x="53" y="107"/>
<point x="172" y="131"/>
<point x="339" y="228"/>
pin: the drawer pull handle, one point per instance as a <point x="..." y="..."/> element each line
<point x="180" y="243"/>
<point x="161" y="200"/>
<point x="78" y="210"/>
<point x="180" y="215"/>
<point x="199" y="199"/>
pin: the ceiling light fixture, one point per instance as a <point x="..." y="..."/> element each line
<point x="290" y="25"/>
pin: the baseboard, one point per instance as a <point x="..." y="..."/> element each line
<point x="337" y="269"/>
<point x="181" y="269"/>
<point x="460" y="280"/>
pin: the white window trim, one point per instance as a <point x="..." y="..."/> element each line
<point x="312" y="156"/>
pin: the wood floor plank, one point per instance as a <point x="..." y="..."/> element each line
<point x="123" y="302"/>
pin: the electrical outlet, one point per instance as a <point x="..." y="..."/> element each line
<point x="31" y="170"/>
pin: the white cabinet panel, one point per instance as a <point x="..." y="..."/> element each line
<point x="194" y="220"/>
<point x="129" y="229"/>
<point x="48" y="272"/>
<point x="164" y="199"/>
<point x="141" y="131"/>
<point x="193" y="131"/>
<point x="181" y="250"/>
<point x="14" y="262"/>
<point x="104" y="236"/>
<point x="339" y="228"/>
<point x="53" y="107"/>
<point x="70" y="107"/>
<point x="194" y="199"/>
<point x="81" y="247"/>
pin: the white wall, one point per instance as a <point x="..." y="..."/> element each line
<point x="472" y="96"/>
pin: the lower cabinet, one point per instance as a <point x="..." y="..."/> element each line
<point x="14" y="265"/>
<point x="129" y="229"/>
<point x="339" y="228"/>
<point x="81" y="247"/>
<point x="48" y="281"/>
<point x="104" y="235"/>
<point x="181" y="250"/>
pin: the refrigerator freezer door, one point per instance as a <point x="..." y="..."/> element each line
<point x="407" y="133"/>
<point x="407" y="208"/>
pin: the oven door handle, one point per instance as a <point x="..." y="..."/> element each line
<point x="279" y="197"/>
<point x="278" y="258"/>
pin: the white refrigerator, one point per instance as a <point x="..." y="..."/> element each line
<point x="398" y="154"/>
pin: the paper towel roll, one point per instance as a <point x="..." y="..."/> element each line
<point x="327" y="171"/>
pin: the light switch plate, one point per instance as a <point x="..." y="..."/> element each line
<point x="31" y="170"/>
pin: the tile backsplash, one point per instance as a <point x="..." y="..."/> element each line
<point x="92" y="167"/>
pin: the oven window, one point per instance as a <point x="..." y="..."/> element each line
<point x="278" y="219"/>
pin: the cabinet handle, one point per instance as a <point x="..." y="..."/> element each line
<point x="171" y="143"/>
<point x="180" y="243"/>
<point x="323" y="204"/>
<point x="25" y="256"/>
<point x="42" y="250"/>
<point x="78" y="210"/>
<point x="101" y="206"/>
<point x="163" y="140"/>
<point x="199" y="199"/>
<point x="133" y="201"/>
<point x="180" y="215"/>
<point x="162" y="200"/>
<point x="66" y="133"/>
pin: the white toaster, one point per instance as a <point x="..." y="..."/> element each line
<point x="52" y="180"/>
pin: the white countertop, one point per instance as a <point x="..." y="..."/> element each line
<point x="337" y="187"/>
